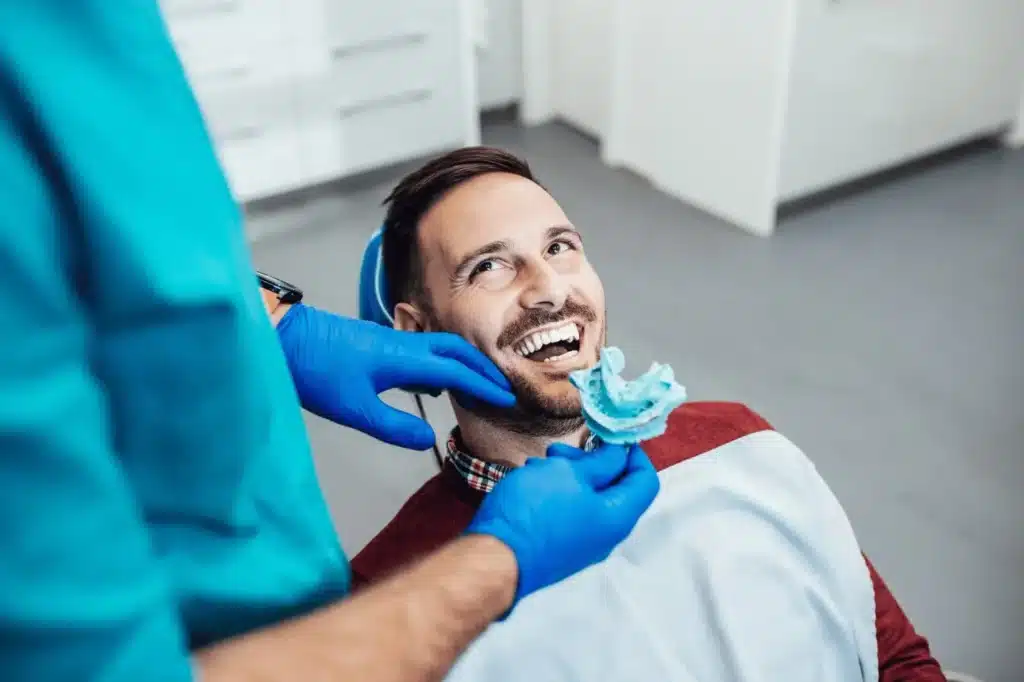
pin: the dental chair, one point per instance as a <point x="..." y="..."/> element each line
<point x="373" y="306"/>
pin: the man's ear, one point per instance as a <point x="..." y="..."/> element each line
<point x="409" y="318"/>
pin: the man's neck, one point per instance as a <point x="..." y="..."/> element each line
<point x="494" y="443"/>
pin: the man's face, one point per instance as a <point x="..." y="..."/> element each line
<point x="505" y="269"/>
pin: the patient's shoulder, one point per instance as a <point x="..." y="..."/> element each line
<point x="443" y="507"/>
<point x="697" y="427"/>
<point x="436" y="513"/>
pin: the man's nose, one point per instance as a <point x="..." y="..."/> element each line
<point x="545" y="288"/>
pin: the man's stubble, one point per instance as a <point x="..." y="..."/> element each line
<point x="535" y="413"/>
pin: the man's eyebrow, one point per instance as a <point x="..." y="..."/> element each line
<point x="485" y="250"/>
<point x="559" y="230"/>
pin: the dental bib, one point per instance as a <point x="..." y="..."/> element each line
<point x="623" y="412"/>
<point x="745" y="569"/>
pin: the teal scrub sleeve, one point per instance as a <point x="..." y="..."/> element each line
<point x="82" y="596"/>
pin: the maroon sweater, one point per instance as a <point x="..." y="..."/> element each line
<point x="443" y="507"/>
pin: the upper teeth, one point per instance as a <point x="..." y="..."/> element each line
<point x="537" y="340"/>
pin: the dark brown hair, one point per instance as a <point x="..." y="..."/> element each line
<point x="415" y="195"/>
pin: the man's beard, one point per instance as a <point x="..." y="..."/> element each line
<point x="536" y="413"/>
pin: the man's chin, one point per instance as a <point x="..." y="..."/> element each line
<point x="547" y="408"/>
<point x="561" y="400"/>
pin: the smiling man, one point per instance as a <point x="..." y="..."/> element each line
<point x="746" y="568"/>
<point x="518" y="288"/>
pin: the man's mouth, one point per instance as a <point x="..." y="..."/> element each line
<point x="551" y="345"/>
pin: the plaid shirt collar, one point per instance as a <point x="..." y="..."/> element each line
<point x="480" y="474"/>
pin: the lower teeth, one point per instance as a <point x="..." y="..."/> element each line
<point x="563" y="356"/>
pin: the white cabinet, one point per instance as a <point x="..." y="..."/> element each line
<point x="386" y="88"/>
<point x="735" y="107"/>
<point x="297" y="92"/>
<point x="875" y="84"/>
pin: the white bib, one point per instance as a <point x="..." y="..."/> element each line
<point x="745" y="569"/>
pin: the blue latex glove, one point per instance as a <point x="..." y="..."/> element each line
<point x="340" y="365"/>
<point x="561" y="514"/>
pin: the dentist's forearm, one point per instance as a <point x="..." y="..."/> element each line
<point x="411" y="627"/>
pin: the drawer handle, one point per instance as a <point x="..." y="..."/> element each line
<point x="184" y="9"/>
<point x="384" y="102"/>
<point x="220" y="75"/>
<point x="378" y="45"/>
<point x="241" y="134"/>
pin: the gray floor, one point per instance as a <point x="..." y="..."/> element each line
<point x="881" y="332"/>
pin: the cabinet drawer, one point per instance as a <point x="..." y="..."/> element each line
<point x="213" y="26"/>
<point x="343" y="23"/>
<point x="240" y="116"/>
<point x="262" y="163"/>
<point x="368" y="72"/>
<point x="378" y="133"/>
<point x="381" y="19"/>
<point x="211" y="67"/>
<point x="256" y="91"/>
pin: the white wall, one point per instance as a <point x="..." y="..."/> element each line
<point x="581" y="58"/>
<point x="536" y="21"/>
<point x="499" y="56"/>
<point x="1015" y="137"/>
<point x="567" y="62"/>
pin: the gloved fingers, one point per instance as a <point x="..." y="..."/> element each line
<point x="631" y="495"/>
<point x="566" y="451"/>
<point x="393" y="426"/>
<point x="453" y="375"/>
<point x="457" y="348"/>
<point x="598" y="468"/>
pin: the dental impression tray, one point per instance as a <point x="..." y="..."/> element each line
<point x="626" y="412"/>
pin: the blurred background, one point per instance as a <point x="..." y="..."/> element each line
<point x="815" y="207"/>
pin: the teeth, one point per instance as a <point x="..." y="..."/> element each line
<point x="538" y="340"/>
<point x="563" y="356"/>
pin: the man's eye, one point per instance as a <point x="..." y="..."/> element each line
<point x="561" y="246"/>
<point x="482" y="267"/>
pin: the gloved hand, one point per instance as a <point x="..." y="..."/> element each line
<point x="340" y="365"/>
<point x="561" y="514"/>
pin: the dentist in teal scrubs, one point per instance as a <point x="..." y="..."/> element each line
<point x="160" y="518"/>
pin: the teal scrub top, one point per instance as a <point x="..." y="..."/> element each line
<point x="157" y="491"/>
